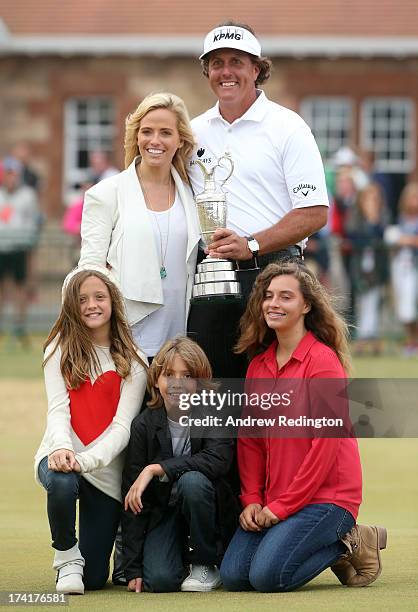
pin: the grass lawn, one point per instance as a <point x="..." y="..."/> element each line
<point x="390" y="498"/>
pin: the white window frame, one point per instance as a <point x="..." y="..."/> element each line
<point x="338" y="116"/>
<point x="395" y="134"/>
<point x="99" y="136"/>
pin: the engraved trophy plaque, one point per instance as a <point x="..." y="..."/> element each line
<point x="215" y="278"/>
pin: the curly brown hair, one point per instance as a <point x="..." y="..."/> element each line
<point x="264" y="64"/>
<point x="322" y="319"/>
<point x="78" y="355"/>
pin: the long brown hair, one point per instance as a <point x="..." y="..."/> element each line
<point x="322" y="319"/>
<point x="192" y="355"/>
<point x="174" y="104"/>
<point x="78" y="355"/>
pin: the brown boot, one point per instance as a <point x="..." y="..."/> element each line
<point x="364" y="544"/>
<point x="343" y="569"/>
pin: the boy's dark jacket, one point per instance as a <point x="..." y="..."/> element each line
<point x="150" y="442"/>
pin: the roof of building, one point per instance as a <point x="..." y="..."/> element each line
<point x="313" y="26"/>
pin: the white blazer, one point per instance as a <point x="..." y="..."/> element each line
<point x="116" y="231"/>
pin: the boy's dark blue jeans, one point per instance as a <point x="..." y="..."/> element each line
<point x="190" y="523"/>
<point x="99" y="517"/>
<point x="289" y="554"/>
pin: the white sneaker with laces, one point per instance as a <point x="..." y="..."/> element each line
<point x="202" y="578"/>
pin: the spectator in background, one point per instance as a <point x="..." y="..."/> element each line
<point x="404" y="266"/>
<point x="316" y="254"/>
<point x="369" y="265"/>
<point x="19" y="213"/>
<point x="71" y="222"/>
<point x="101" y="165"/>
<point x="30" y="177"/>
<point x="342" y="207"/>
<point x="22" y="152"/>
<point x="360" y="165"/>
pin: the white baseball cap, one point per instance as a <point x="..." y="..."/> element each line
<point x="231" y="37"/>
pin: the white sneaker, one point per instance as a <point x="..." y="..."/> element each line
<point x="202" y="578"/>
<point x="70" y="579"/>
<point x="69" y="565"/>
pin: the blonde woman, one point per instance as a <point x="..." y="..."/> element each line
<point x="142" y="222"/>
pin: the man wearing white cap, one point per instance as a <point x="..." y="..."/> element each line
<point x="276" y="198"/>
<point x="276" y="195"/>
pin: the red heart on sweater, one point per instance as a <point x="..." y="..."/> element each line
<point x="93" y="406"/>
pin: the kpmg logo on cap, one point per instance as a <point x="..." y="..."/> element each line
<point x="227" y="35"/>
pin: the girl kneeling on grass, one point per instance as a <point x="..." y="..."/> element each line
<point x="95" y="382"/>
<point x="179" y="509"/>
<point x="300" y="496"/>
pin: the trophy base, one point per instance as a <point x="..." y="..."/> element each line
<point x="217" y="299"/>
<point x="216" y="279"/>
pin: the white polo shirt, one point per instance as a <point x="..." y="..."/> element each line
<point x="278" y="166"/>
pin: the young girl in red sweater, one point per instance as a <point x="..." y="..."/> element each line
<point x="95" y="382"/>
<point x="300" y="495"/>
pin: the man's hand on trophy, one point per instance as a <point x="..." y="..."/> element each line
<point x="228" y="245"/>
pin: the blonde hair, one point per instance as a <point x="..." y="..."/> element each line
<point x="322" y="319"/>
<point x="192" y="355"/>
<point x="78" y="356"/>
<point x="370" y="190"/>
<point x="177" y="106"/>
<point x="409" y="191"/>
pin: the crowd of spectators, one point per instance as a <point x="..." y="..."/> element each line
<point x="376" y="245"/>
<point x="374" y="241"/>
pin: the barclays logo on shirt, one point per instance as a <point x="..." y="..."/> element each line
<point x="200" y="153"/>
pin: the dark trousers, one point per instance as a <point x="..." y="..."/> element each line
<point x="191" y="523"/>
<point x="99" y="517"/>
<point x="214" y="323"/>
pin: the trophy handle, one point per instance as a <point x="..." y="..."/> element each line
<point x="227" y="157"/>
<point x="206" y="174"/>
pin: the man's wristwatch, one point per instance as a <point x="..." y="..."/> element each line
<point x="253" y="245"/>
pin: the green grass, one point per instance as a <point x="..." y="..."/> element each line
<point x="390" y="468"/>
<point x="21" y="362"/>
<point x="25" y="363"/>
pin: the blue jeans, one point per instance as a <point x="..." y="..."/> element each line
<point x="190" y="523"/>
<point x="289" y="554"/>
<point x="99" y="517"/>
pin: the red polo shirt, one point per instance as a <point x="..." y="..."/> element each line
<point x="288" y="474"/>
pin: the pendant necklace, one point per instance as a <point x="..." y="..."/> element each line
<point x="163" y="270"/>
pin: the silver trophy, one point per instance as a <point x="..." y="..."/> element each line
<point x="214" y="277"/>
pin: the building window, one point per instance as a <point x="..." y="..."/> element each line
<point x="387" y="129"/>
<point x="330" y="119"/>
<point x="89" y="126"/>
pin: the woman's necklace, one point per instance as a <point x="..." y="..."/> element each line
<point x="163" y="270"/>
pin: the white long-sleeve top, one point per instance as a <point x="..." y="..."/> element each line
<point x="94" y="421"/>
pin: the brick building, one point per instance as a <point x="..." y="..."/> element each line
<point x="70" y="72"/>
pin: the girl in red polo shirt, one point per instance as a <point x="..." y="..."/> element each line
<point x="300" y="495"/>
